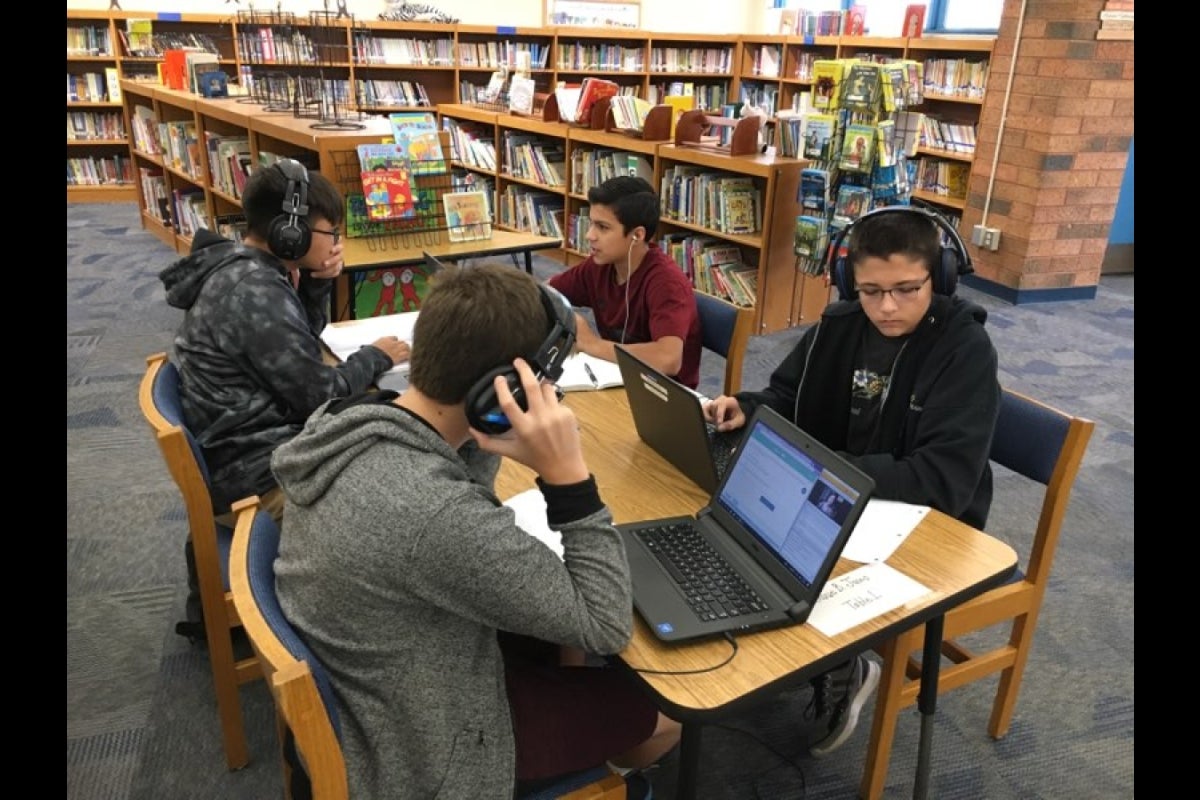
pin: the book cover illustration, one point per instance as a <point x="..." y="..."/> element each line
<point x="389" y="291"/>
<point x="861" y="87"/>
<point x="914" y="20"/>
<point x="417" y="133"/>
<point x="819" y="137"/>
<point x="814" y="191"/>
<point x="827" y="79"/>
<point x="858" y="148"/>
<point x="810" y="236"/>
<point x="852" y="203"/>
<point x="856" y="21"/>
<point x="594" y="89"/>
<point x="740" y="214"/>
<point x="467" y="216"/>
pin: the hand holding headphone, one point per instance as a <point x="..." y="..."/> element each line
<point x="952" y="262"/>
<point x="482" y="402"/>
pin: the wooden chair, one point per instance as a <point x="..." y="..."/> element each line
<point x="307" y="720"/>
<point x="725" y="329"/>
<point x="1045" y="445"/>
<point x="158" y="397"/>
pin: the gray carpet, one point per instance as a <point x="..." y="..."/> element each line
<point x="141" y="721"/>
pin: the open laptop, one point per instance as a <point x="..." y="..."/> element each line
<point x="778" y="521"/>
<point x="670" y="418"/>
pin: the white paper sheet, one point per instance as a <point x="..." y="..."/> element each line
<point x="530" y="508"/>
<point x="346" y="338"/>
<point x="576" y="379"/>
<point x="883" y="526"/>
<point x="861" y="594"/>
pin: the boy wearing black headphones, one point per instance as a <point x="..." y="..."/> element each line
<point x="248" y="349"/>
<point x="901" y="376"/>
<point x="639" y="297"/>
<point x="438" y="617"/>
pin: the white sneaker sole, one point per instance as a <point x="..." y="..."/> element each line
<point x="869" y="684"/>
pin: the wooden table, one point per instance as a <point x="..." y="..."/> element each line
<point x="954" y="560"/>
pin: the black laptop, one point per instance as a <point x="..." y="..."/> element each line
<point x="758" y="555"/>
<point x="669" y="417"/>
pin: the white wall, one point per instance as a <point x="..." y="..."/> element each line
<point x="684" y="16"/>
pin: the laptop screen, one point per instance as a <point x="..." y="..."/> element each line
<point x="787" y="500"/>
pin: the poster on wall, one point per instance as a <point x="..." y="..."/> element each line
<point x="595" y="13"/>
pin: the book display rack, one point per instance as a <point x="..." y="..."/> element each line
<point x="387" y="65"/>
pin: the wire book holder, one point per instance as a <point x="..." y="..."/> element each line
<point x="258" y="32"/>
<point x="416" y="222"/>
<point x="327" y="98"/>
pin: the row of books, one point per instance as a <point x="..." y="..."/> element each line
<point x="957" y="137"/>
<point x="956" y="77"/>
<point x="190" y="211"/>
<point x="99" y="171"/>
<point x="716" y="60"/>
<point x="87" y="125"/>
<point x="591" y="167"/>
<point x="229" y="162"/>
<point x="722" y="201"/>
<point x="586" y="57"/>
<point x="88" y="40"/>
<point x="155" y="197"/>
<point x="286" y="46"/>
<point x="532" y="211"/>
<point x="370" y="49"/>
<point x="468" y="147"/>
<point x="705" y="95"/>
<point x="533" y="159"/>
<point x="381" y="94"/>
<point x="181" y="147"/>
<point x="766" y="60"/>
<point x="943" y="177"/>
<point x="94" y="87"/>
<point x="713" y="266"/>
<point x="496" y="54"/>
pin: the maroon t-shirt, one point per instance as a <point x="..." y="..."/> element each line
<point x="660" y="303"/>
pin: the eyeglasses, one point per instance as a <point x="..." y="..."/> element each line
<point x="901" y="294"/>
<point x="335" y="233"/>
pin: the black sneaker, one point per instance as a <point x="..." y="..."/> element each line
<point x="842" y="692"/>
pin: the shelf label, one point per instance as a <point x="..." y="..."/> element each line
<point x="506" y="30"/>
<point x="169" y="16"/>
<point x="808" y="38"/>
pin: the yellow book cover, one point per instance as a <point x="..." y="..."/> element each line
<point x="827" y="79"/>
<point x="679" y="103"/>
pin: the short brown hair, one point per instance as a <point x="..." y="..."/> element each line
<point x="473" y="320"/>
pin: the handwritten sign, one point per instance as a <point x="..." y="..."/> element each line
<point x="862" y="594"/>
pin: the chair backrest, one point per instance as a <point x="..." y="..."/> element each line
<point x="307" y="714"/>
<point x="1045" y="445"/>
<point x="725" y="329"/>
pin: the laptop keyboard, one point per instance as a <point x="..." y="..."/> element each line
<point x="712" y="588"/>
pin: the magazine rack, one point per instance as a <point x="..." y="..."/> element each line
<point x="327" y="98"/>
<point x="416" y="224"/>
<point x="258" y="31"/>
<point x="735" y="137"/>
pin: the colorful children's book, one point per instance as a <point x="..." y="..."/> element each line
<point x="852" y="203"/>
<point x="417" y="133"/>
<point x="861" y="88"/>
<point x="819" y="137"/>
<point x="827" y="80"/>
<point x="814" y="191"/>
<point x="467" y="216"/>
<point x="593" y="89"/>
<point x="386" y="180"/>
<point x="811" y="236"/>
<point x="858" y="148"/>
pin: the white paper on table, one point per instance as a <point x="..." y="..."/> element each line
<point x="530" y="508"/>
<point x="575" y="377"/>
<point x="883" y="526"/>
<point x="345" y="338"/>
<point x="861" y="594"/>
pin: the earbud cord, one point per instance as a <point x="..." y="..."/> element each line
<point x="628" y="278"/>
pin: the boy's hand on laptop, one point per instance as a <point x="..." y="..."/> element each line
<point x="725" y="413"/>
<point x="544" y="437"/>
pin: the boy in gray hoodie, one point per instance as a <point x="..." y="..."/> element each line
<point x="435" y="614"/>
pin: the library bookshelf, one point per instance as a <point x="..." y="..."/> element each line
<point x="445" y="64"/>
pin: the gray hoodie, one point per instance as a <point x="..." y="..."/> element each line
<point x="398" y="565"/>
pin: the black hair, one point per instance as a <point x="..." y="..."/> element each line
<point x="884" y="235"/>
<point x="632" y="200"/>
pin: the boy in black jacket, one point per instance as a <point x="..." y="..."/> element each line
<point x="901" y="377"/>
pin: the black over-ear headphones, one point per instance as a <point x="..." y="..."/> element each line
<point x="953" y="261"/>
<point x="289" y="236"/>
<point x="482" y="404"/>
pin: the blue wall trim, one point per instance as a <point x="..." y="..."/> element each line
<point x="1022" y="296"/>
<point x="1121" y="231"/>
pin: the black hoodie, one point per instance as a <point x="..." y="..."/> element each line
<point x="250" y="358"/>
<point x="934" y="432"/>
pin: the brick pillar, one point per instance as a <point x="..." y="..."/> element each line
<point x="1062" y="152"/>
